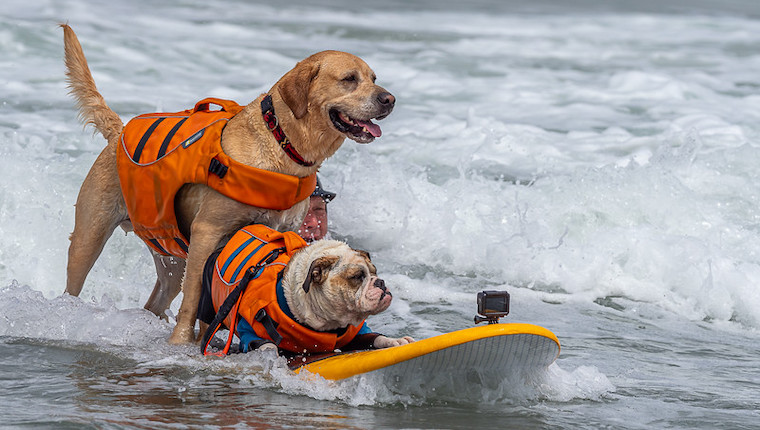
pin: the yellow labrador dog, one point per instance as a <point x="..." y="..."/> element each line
<point x="324" y="99"/>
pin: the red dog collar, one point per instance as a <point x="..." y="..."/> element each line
<point x="267" y="110"/>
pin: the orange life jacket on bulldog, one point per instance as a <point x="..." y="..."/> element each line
<point x="246" y="282"/>
<point x="161" y="152"/>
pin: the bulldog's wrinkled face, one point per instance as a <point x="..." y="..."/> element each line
<point x="340" y="286"/>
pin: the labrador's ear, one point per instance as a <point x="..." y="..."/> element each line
<point x="294" y="87"/>
<point x="318" y="271"/>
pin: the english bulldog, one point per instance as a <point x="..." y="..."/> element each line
<point x="302" y="298"/>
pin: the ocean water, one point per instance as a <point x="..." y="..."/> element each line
<point x="598" y="160"/>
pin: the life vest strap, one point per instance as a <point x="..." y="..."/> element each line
<point x="232" y="302"/>
<point x="269" y="325"/>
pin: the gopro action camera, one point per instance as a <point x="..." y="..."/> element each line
<point x="492" y="305"/>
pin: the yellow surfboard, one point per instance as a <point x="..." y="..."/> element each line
<point x="496" y="350"/>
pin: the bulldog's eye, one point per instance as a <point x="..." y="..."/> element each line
<point x="359" y="277"/>
<point x="349" y="79"/>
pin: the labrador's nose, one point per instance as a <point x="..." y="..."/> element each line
<point x="386" y="99"/>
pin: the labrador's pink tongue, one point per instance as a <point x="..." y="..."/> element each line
<point x="373" y="128"/>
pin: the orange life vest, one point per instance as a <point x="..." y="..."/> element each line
<point x="161" y="152"/>
<point x="261" y="304"/>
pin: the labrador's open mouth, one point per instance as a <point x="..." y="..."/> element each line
<point x="362" y="131"/>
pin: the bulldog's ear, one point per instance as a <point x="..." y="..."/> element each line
<point x="318" y="271"/>
<point x="294" y="87"/>
<point x="364" y="254"/>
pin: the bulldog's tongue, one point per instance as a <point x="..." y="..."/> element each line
<point x="371" y="127"/>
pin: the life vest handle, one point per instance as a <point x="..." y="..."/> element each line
<point x="233" y="301"/>
<point x="226" y="105"/>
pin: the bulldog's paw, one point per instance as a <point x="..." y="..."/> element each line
<point x="265" y="346"/>
<point x="269" y="346"/>
<point x="387" y="342"/>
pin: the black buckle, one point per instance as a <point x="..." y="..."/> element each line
<point x="216" y="167"/>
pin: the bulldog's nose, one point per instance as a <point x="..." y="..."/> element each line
<point x="379" y="283"/>
<point x="386" y="99"/>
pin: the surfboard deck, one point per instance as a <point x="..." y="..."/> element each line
<point x="494" y="350"/>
